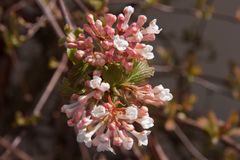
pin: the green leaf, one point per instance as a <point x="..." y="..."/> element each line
<point x="140" y="72"/>
<point x="77" y="75"/>
<point x="67" y="89"/>
<point x="79" y="71"/>
<point x="113" y="74"/>
<point x="71" y="52"/>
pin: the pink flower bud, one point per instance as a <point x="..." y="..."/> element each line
<point x="110" y="19"/>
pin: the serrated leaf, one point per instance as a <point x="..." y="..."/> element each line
<point x="79" y="71"/>
<point x="140" y="72"/>
<point x="66" y="88"/>
<point x="78" y="74"/>
<point x="113" y="74"/>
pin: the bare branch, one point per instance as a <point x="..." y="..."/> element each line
<point x="65" y="13"/>
<point x="43" y="99"/>
<point x="14" y="144"/>
<point x="187" y="143"/>
<point x="177" y="10"/>
<point x="35" y="27"/>
<point x="230" y="142"/>
<point x="82" y="6"/>
<point x="19" y="153"/>
<point x="42" y="4"/>
<point x="157" y="148"/>
<point x="51" y="85"/>
<point x="227" y="140"/>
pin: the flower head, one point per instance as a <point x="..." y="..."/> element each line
<point x="109" y="65"/>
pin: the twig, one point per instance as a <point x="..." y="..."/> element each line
<point x="163" y="68"/>
<point x="17" y="6"/>
<point x="60" y="68"/>
<point x="187" y="11"/>
<point x="35" y="27"/>
<point x="57" y="73"/>
<point x="155" y="145"/>
<point x="230" y="142"/>
<point x="14" y="144"/>
<point x="51" y="85"/>
<point x="84" y="152"/>
<point x="66" y="13"/>
<point x="187" y="143"/>
<point x="19" y="153"/>
<point x="200" y="80"/>
<point x="137" y="153"/>
<point x="82" y="6"/>
<point x="42" y="4"/>
<point x="227" y="140"/>
<point x="212" y="86"/>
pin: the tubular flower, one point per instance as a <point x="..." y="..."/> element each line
<point x="105" y="84"/>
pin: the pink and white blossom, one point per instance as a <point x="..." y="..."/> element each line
<point x="103" y="113"/>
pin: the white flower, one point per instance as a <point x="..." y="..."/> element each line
<point x="86" y="137"/>
<point x="128" y="11"/>
<point x="120" y="43"/>
<point x="95" y="82"/>
<point x="131" y="112"/>
<point x="146" y="122"/>
<point x="127" y="141"/>
<point x="69" y="106"/>
<point x="152" y="28"/>
<point x="163" y="93"/>
<point x="146" y="52"/>
<point x="103" y="143"/>
<point x="104" y="87"/>
<point x="142" y="137"/>
<point x="98" y="111"/>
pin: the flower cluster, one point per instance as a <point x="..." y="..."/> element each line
<point x="108" y="96"/>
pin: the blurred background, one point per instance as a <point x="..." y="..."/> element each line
<point x="197" y="57"/>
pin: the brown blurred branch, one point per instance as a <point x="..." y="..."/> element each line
<point x="17" y="152"/>
<point x="137" y="152"/>
<point x="227" y="140"/>
<point x="84" y="152"/>
<point x="65" y="13"/>
<point x="177" y="10"/>
<point x="200" y="80"/>
<point x="36" y="26"/>
<point x="61" y="66"/>
<point x="51" y="85"/>
<point x="14" y="144"/>
<point x="82" y="6"/>
<point x="230" y="142"/>
<point x="187" y="143"/>
<point x="212" y="86"/>
<point x="157" y="148"/>
<point x="52" y="20"/>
